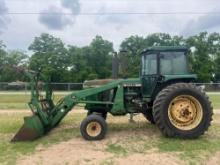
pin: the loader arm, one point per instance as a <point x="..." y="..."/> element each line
<point x="47" y="115"/>
<point x="68" y="102"/>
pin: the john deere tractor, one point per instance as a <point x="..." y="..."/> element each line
<point x="164" y="94"/>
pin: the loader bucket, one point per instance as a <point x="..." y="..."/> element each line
<point x="30" y="130"/>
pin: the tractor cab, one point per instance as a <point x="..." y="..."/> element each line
<point x="162" y="66"/>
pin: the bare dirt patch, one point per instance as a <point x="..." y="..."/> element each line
<point x="136" y="143"/>
<point x="214" y="160"/>
<point x="10" y="111"/>
<point x="79" y="151"/>
<point x="133" y="150"/>
<point x="150" y="159"/>
<point x="76" y="151"/>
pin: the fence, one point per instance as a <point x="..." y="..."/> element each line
<point x="21" y="86"/>
<point x="209" y="87"/>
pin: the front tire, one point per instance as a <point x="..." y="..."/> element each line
<point x="104" y="114"/>
<point x="93" y="127"/>
<point x="182" y="110"/>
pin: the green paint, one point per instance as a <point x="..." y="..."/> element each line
<point x="118" y="107"/>
<point x="118" y="97"/>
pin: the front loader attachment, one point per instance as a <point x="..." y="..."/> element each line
<point x="47" y="115"/>
<point x="35" y="126"/>
<point x="30" y="130"/>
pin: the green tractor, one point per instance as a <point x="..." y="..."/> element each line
<point x="164" y="94"/>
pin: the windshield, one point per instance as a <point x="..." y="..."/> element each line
<point x="173" y="63"/>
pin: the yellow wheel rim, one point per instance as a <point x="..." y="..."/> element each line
<point x="93" y="129"/>
<point x="185" y="112"/>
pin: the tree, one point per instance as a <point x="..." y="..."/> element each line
<point x="217" y="69"/>
<point x="78" y="66"/>
<point x="10" y="60"/>
<point x="203" y="51"/>
<point x="2" y="58"/>
<point x="72" y="63"/>
<point x="130" y="59"/>
<point x="134" y="45"/>
<point x="90" y="62"/>
<point x="99" y="58"/>
<point x="163" y="39"/>
<point x="214" y="45"/>
<point x="3" y="53"/>
<point x="50" y="56"/>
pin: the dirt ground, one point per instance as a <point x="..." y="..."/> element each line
<point x="79" y="151"/>
<point x="215" y="159"/>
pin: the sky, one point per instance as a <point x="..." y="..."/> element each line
<point x="78" y="26"/>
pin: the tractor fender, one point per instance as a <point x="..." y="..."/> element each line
<point x="163" y="84"/>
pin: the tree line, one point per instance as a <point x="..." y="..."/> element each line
<point x="68" y="63"/>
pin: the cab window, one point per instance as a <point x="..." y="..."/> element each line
<point x="149" y="64"/>
<point x="173" y="63"/>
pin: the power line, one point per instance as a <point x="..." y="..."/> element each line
<point x="113" y="13"/>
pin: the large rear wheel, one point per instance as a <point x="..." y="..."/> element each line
<point x="182" y="110"/>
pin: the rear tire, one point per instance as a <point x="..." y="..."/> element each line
<point x="182" y="110"/>
<point x="93" y="127"/>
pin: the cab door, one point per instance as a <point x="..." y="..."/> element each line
<point x="149" y="83"/>
<point x="149" y="74"/>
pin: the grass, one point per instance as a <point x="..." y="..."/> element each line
<point x="131" y="137"/>
<point x="123" y="138"/>
<point x="215" y="99"/>
<point x="116" y="149"/>
<point x="192" y="150"/>
<point x="19" y="101"/>
<point x="11" y="122"/>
